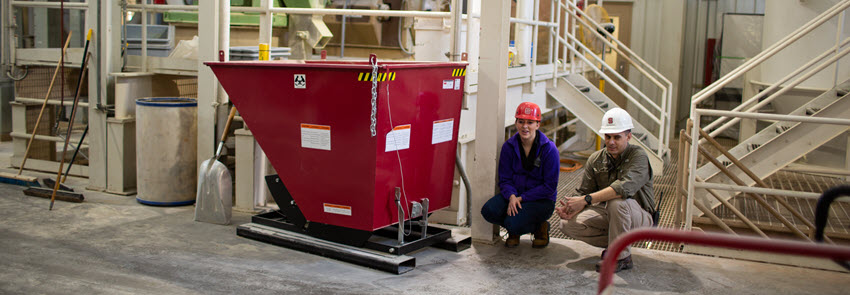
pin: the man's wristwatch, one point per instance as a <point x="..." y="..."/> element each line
<point x="588" y="199"/>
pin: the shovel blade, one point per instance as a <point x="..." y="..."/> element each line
<point x="214" y="202"/>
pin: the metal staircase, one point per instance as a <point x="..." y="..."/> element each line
<point x="781" y="143"/>
<point x="589" y="104"/>
<point x="789" y="138"/>
<point x="583" y="99"/>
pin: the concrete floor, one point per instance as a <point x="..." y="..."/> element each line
<point x="111" y="244"/>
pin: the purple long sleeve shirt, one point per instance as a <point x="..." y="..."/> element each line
<point x="539" y="183"/>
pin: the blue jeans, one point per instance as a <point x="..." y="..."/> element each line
<point x="527" y="220"/>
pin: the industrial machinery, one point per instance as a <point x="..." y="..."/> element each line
<point x="364" y="152"/>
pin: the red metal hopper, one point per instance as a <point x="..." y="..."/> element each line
<point x="314" y="121"/>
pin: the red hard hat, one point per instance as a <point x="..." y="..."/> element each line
<point x="528" y="111"/>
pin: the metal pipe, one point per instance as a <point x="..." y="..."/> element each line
<point x="361" y="12"/>
<point x="463" y="177"/>
<point x="680" y="181"/>
<point x="533" y="22"/>
<point x="562" y="126"/>
<point x="288" y="10"/>
<point x="161" y="8"/>
<point x="39" y="137"/>
<point x="711" y="239"/>
<point x="144" y="40"/>
<point x="532" y="62"/>
<point x="822" y="170"/>
<point x="50" y="102"/>
<point x="693" y="125"/>
<point x="400" y="216"/>
<point x="838" y="32"/>
<point x="55" y="5"/>
<point x="792" y="118"/>
<point x="456" y="9"/>
<point x="554" y="33"/>
<point x="757" y="190"/>
<point x="551" y="43"/>
<point x="342" y="38"/>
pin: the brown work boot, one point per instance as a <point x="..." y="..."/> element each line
<point x="541" y="236"/>
<point x="512" y="241"/>
<point x="625" y="263"/>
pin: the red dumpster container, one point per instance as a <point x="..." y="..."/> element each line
<point x="314" y="121"/>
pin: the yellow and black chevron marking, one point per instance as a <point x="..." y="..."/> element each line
<point x="458" y="72"/>
<point x="366" y="76"/>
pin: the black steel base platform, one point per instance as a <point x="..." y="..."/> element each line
<point x="380" y="252"/>
<point x="289" y="228"/>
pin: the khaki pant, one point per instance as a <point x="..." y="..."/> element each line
<point x="599" y="225"/>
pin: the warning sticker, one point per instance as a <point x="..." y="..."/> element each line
<point x="316" y="137"/>
<point x="337" y="209"/>
<point x="300" y="81"/>
<point x="398" y="139"/>
<point x="442" y="131"/>
<point x="457" y="84"/>
<point x="448" y="84"/>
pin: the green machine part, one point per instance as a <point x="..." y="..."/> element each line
<point x="237" y="18"/>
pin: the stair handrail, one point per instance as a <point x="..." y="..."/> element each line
<point x="767" y="53"/>
<point x="622" y="91"/>
<point x="773" y="95"/>
<point x="652" y="103"/>
<point x="652" y="74"/>
<point x="667" y="93"/>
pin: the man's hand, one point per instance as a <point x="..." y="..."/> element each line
<point x="573" y="206"/>
<point x="561" y="210"/>
<point x="514" y="205"/>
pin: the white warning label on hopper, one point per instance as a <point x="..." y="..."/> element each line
<point x="316" y="137"/>
<point x="398" y="139"/>
<point x="337" y="209"/>
<point x="448" y="84"/>
<point x="442" y="131"/>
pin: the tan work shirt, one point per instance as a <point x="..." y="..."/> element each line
<point x="630" y="176"/>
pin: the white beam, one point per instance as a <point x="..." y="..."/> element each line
<point x="208" y="87"/>
<point x="490" y="113"/>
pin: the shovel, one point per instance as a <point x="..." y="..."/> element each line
<point x="215" y="189"/>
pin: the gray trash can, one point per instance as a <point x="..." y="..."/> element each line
<point x="166" y="150"/>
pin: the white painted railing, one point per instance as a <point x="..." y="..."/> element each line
<point x="657" y="110"/>
<point x="749" y="110"/>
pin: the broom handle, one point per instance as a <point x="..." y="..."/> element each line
<point x="44" y="105"/>
<point x="68" y="137"/>
<point x="76" y="151"/>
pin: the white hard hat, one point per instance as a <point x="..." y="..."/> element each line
<point x="616" y="120"/>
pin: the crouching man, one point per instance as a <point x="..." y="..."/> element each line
<point x="615" y="195"/>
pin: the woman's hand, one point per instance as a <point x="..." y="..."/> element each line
<point x="514" y="205"/>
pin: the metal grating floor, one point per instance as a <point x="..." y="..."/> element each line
<point x="569" y="181"/>
<point x="839" y="215"/>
